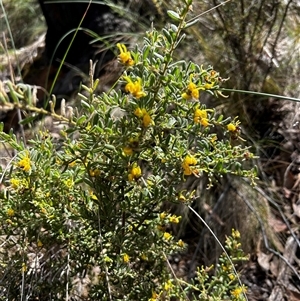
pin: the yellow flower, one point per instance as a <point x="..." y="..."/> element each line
<point x="39" y="244"/>
<point x="213" y="139"/>
<point x="235" y="234"/>
<point x="168" y="285"/>
<point x="72" y="164"/>
<point x="135" y="173"/>
<point x="231" y="127"/>
<point x="24" y="163"/>
<point x="133" y="142"/>
<point x="161" y="228"/>
<point x="93" y="196"/>
<point x="88" y="127"/>
<point x="125" y="56"/>
<point x="162" y="215"/>
<point x="174" y="219"/>
<point x="200" y="113"/>
<point x="238" y="291"/>
<point x="24" y="267"/>
<point x="191" y="92"/>
<point x="154" y="296"/>
<point x="200" y="116"/>
<point x="181" y="197"/>
<point x="190" y="160"/>
<point x="147" y="120"/>
<point x="142" y="113"/>
<point x="43" y="210"/>
<point x="187" y="162"/>
<point x="144" y="257"/>
<point x="128" y="151"/>
<point x="15" y="183"/>
<point x="167" y="236"/>
<point x="225" y="268"/>
<point x="69" y="183"/>
<point x="213" y="74"/>
<point x="208" y="86"/>
<point x="134" y="88"/>
<point x="180" y="243"/>
<point x="94" y="172"/>
<point x="126" y="258"/>
<point x="211" y="80"/>
<point x="138" y="112"/>
<point x="10" y="212"/>
<point x="231" y="276"/>
<point x="204" y="122"/>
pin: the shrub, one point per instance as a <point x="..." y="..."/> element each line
<point x="88" y="207"/>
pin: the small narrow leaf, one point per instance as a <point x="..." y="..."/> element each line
<point x="85" y="104"/>
<point x="173" y="15"/>
<point x="189" y="24"/>
<point x="81" y="120"/>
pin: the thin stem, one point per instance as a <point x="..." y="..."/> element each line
<point x="208" y="11"/>
<point x="172" y="48"/>
<point x="68" y="49"/>
<point x="266" y="95"/>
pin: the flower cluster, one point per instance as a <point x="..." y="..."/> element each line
<point x="234" y="130"/>
<point x="135" y="173"/>
<point x="238" y="292"/>
<point x="167" y="236"/>
<point x="125" y="56"/>
<point x="187" y="163"/>
<point x="169" y="218"/>
<point x="211" y="80"/>
<point x="131" y="145"/>
<point x="144" y="115"/>
<point x="200" y="116"/>
<point x="128" y="151"/>
<point x="134" y="88"/>
<point x="231" y="127"/>
<point x="192" y="92"/>
<point x="15" y="183"/>
<point x="10" y="212"/>
<point x="126" y="258"/>
<point x="25" y="162"/>
<point x="165" y="288"/>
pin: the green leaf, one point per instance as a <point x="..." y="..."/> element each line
<point x="189" y="24"/>
<point x="81" y="120"/>
<point x="220" y="118"/>
<point x="159" y="56"/>
<point x="85" y="104"/>
<point x="145" y="51"/>
<point x="28" y="120"/>
<point x="173" y="15"/>
<point x="110" y="147"/>
<point x="167" y="35"/>
<point x="174" y="28"/>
